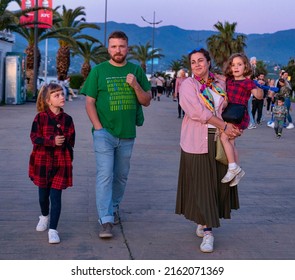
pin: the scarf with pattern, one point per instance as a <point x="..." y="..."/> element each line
<point x="205" y="92"/>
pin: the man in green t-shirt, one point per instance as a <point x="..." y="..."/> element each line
<point x="115" y="91"/>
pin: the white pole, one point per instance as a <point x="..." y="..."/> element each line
<point x="45" y="61"/>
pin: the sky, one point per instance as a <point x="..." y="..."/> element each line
<point x="251" y="16"/>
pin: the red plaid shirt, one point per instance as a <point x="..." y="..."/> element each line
<point x="239" y="91"/>
<point x="51" y="165"/>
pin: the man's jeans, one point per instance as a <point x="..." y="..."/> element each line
<point x="250" y="111"/>
<point x="112" y="157"/>
<point x="288" y="105"/>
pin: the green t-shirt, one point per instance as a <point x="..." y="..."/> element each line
<point x="116" y="103"/>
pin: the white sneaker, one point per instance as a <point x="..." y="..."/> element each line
<point x="251" y="126"/>
<point x="271" y="124"/>
<point x="207" y="244"/>
<point x="200" y="231"/>
<point x="43" y="223"/>
<point x="231" y="173"/>
<point x="290" y="126"/>
<point x="237" y="179"/>
<point x="53" y="237"/>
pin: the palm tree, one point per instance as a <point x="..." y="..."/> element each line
<point x="185" y="62"/>
<point x="143" y="54"/>
<point x="90" y="52"/>
<point x="72" y="22"/>
<point x="175" y="65"/>
<point x="29" y="35"/>
<point x="223" y="44"/>
<point x="7" y="17"/>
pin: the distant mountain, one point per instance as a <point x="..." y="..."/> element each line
<point x="274" y="48"/>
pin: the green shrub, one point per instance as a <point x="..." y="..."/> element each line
<point x="76" y="81"/>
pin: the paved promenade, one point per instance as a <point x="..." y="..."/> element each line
<point x="262" y="229"/>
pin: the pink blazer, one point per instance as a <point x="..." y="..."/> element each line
<point x="194" y="129"/>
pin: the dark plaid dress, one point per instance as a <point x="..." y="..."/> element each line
<point x="50" y="165"/>
<point x="239" y="91"/>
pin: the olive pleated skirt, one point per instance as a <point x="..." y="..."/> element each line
<point x="201" y="197"/>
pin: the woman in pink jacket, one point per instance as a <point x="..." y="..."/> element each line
<point x="201" y="197"/>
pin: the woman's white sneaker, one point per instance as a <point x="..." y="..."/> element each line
<point x="53" y="237"/>
<point x="200" y="231"/>
<point x="207" y="244"/>
<point x="43" y="223"/>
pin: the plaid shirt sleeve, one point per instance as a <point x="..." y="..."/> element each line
<point x="41" y="132"/>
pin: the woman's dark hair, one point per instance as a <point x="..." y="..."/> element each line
<point x="203" y="51"/>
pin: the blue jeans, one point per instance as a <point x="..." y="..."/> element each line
<point x="112" y="157"/>
<point x="250" y="111"/>
<point x="288" y="105"/>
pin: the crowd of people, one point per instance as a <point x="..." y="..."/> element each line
<point x="116" y="90"/>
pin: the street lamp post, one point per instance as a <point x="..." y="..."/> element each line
<point x="35" y="89"/>
<point x="105" y="21"/>
<point x="153" y="23"/>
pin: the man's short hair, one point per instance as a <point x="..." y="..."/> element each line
<point x="118" y="35"/>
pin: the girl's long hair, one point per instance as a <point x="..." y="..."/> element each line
<point x="227" y="69"/>
<point x="44" y="96"/>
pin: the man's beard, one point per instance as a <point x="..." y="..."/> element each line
<point x="118" y="58"/>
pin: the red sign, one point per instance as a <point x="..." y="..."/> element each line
<point x="29" y="17"/>
<point x="44" y="15"/>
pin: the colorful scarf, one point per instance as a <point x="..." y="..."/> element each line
<point x="205" y="92"/>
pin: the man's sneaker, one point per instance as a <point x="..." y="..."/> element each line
<point x="290" y="126"/>
<point x="207" y="244"/>
<point x="43" y="223"/>
<point x="231" y="173"/>
<point x="116" y="218"/>
<point x="251" y="126"/>
<point x="53" y="237"/>
<point x="200" y="231"/>
<point x="237" y="179"/>
<point x="106" y="231"/>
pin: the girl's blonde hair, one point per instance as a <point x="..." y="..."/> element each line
<point x="44" y="95"/>
<point x="227" y="69"/>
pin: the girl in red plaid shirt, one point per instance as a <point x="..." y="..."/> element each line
<point x="50" y="168"/>
<point x="239" y="88"/>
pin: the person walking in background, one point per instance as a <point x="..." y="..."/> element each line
<point x="279" y="115"/>
<point x="160" y="86"/>
<point x="50" y="166"/>
<point x="181" y="76"/>
<point x="168" y="86"/>
<point x="270" y="99"/>
<point x="153" y="82"/>
<point x="253" y="62"/>
<point x="239" y="89"/>
<point x="283" y="75"/>
<point x="285" y="92"/>
<point x="257" y="104"/>
<point x="201" y="197"/>
<point x="173" y="83"/>
<point x="69" y="90"/>
<point x="115" y="91"/>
